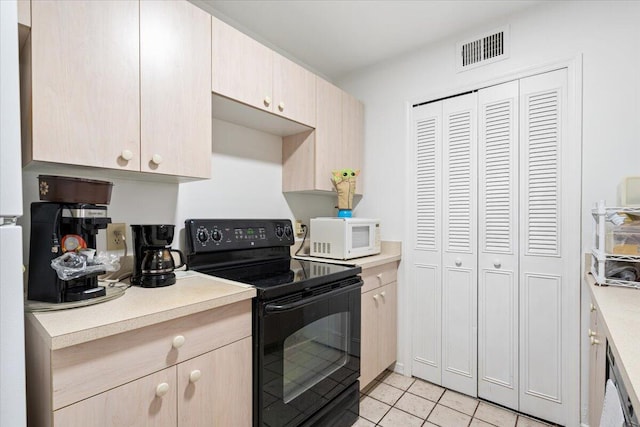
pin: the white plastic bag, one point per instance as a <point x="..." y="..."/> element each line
<point x="73" y="265"/>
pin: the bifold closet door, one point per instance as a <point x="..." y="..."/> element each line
<point x="427" y="243"/>
<point x="445" y="273"/>
<point x="459" y="262"/>
<point x="549" y="246"/>
<point x="498" y="244"/>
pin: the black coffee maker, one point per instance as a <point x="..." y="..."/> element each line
<point x="153" y="262"/>
<point x="57" y="228"/>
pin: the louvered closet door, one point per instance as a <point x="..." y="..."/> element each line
<point x="459" y="263"/>
<point x="427" y="241"/>
<point x="546" y="169"/>
<point x="498" y="244"/>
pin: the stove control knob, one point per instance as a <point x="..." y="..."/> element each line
<point x="203" y="236"/>
<point x="279" y="231"/>
<point x="287" y="231"/>
<point x="216" y="235"/>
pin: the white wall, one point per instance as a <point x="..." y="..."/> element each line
<point x="246" y="183"/>
<point x="605" y="34"/>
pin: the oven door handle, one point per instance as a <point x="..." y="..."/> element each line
<point x="275" y="308"/>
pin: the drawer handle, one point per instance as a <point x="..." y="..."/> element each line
<point x="195" y="375"/>
<point x="594" y="341"/>
<point x="281" y="106"/>
<point x="458" y="262"/>
<point x="591" y="333"/>
<point x="267" y="101"/>
<point x="497" y="263"/>
<point x="162" y="389"/>
<point x="126" y="155"/>
<point x="178" y="341"/>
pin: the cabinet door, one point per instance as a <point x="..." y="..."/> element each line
<point x="215" y="389"/>
<point x="85" y="83"/>
<point x="497" y="252"/>
<point x="369" y="337"/>
<point x="242" y="68"/>
<point x="387" y="325"/>
<point x="133" y="404"/>
<point x="353" y="136"/>
<point x="294" y="91"/>
<point x="597" y="367"/>
<point x="175" y="88"/>
<point x="427" y="244"/>
<point x="459" y="280"/>
<point x="328" y="134"/>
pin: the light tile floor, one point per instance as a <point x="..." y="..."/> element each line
<point x="393" y="400"/>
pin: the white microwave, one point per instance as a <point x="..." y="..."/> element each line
<point x="344" y="238"/>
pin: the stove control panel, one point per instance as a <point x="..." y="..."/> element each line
<point x="214" y="235"/>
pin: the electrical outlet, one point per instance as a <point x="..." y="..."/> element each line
<point x="298" y="228"/>
<point x="115" y="236"/>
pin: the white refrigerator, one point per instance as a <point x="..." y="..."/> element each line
<point x="12" y="373"/>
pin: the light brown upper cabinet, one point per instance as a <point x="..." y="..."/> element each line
<point x="175" y="88"/>
<point x="247" y="71"/>
<point x="121" y="85"/>
<point x="337" y="143"/>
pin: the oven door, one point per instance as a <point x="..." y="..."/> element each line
<point x="307" y="355"/>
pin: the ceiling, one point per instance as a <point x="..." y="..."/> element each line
<point x="337" y="37"/>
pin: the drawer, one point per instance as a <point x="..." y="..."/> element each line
<point x="378" y="276"/>
<point x="93" y="367"/>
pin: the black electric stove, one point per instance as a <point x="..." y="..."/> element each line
<point x="306" y="320"/>
<point x="257" y="252"/>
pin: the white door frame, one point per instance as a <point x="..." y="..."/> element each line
<point x="574" y="138"/>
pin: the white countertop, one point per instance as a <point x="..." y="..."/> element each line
<point x="138" y="307"/>
<point x="390" y="252"/>
<point x="620" y="310"/>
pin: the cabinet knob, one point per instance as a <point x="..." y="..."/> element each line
<point x="592" y="307"/>
<point x="497" y="263"/>
<point x="157" y="159"/>
<point x="383" y="294"/>
<point x="195" y="375"/>
<point x="281" y="106"/>
<point x="267" y="101"/>
<point x="162" y="389"/>
<point x="178" y="341"/>
<point x="595" y="341"/>
<point x="126" y="155"/>
<point x="375" y="297"/>
<point x="379" y="276"/>
<point x="458" y="262"/>
<point x="591" y="333"/>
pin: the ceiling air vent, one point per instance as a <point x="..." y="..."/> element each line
<point x="482" y="50"/>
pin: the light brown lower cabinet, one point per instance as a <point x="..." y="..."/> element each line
<point x="212" y="389"/>
<point x="132" y="404"/>
<point x="597" y="365"/>
<point x="378" y="342"/>
<point x="191" y="371"/>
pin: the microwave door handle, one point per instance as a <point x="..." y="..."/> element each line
<point x="275" y="308"/>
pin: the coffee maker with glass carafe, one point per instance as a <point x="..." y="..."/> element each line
<point x="153" y="262"/>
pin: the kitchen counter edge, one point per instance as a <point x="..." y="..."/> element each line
<point x="191" y="294"/>
<point x="620" y="309"/>
<point x="390" y="251"/>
